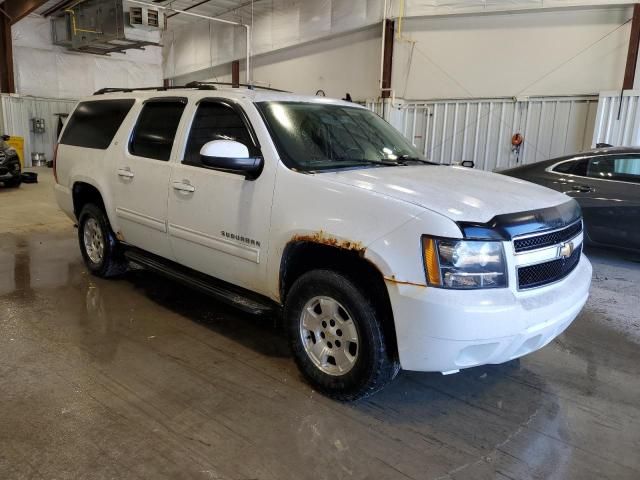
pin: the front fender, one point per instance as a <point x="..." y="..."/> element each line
<point x="398" y="254"/>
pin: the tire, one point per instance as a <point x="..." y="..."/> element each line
<point x="101" y="251"/>
<point x="356" y="371"/>
<point x="14" y="182"/>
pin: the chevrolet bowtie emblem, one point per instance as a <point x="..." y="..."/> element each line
<point x="566" y="249"/>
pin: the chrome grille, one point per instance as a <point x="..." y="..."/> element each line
<point x="547" y="239"/>
<point x="545" y="273"/>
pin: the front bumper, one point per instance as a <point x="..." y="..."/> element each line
<point x="443" y="330"/>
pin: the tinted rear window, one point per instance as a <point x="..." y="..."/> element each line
<point x="95" y="123"/>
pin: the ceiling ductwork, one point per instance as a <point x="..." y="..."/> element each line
<point x="106" y="26"/>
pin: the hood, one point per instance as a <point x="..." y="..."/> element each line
<point x="460" y="193"/>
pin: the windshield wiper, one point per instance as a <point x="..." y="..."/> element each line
<point x="382" y="161"/>
<point x="408" y="158"/>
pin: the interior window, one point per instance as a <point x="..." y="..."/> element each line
<point x="156" y="128"/>
<point x="626" y="169"/>
<point x="216" y="121"/>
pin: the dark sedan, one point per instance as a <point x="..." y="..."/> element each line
<point x="606" y="184"/>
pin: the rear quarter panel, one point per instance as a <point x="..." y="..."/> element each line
<point x="95" y="167"/>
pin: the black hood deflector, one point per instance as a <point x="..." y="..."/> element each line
<point x="506" y="227"/>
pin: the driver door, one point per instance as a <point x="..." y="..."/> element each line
<point x="219" y="221"/>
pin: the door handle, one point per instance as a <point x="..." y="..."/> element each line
<point x="125" y="172"/>
<point x="581" y="188"/>
<point x="184" y="187"/>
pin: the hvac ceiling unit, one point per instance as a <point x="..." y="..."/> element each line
<point x="106" y="26"/>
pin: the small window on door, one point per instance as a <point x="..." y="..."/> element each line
<point x="573" y="167"/>
<point x="216" y="121"/>
<point x="156" y="129"/>
<point x="623" y="169"/>
<point x="564" y="167"/>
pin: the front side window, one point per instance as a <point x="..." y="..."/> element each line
<point x="322" y="136"/>
<point x="216" y="121"/>
<point x="625" y="168"/>
<point x="156" y="129"/>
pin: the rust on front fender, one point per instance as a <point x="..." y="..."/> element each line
<point x="324" y="239"/>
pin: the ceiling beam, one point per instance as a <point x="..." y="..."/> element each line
<point x="18" y="9"/>
<point x="57" y="7"/>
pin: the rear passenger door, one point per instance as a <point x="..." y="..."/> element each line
<point x="142" y="175"/>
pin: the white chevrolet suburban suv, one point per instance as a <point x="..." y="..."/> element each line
<point x="319" y="210"/>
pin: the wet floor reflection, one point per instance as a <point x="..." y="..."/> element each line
<point x="197" y="389"/>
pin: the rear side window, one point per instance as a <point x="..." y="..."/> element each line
<point x="156" y="128"/>
<point x="95" y="123"/>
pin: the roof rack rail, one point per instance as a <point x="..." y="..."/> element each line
<point x="198" y="84"/>
<point x="159" y="89"/>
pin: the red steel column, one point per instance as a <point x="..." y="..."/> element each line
<point x="235" y="73"/>
<point x="387" y="61"/>
<point x="7" y="82"/>
<point x="632" y="54"/>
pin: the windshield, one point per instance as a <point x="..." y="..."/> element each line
<point x="317" y="136"/>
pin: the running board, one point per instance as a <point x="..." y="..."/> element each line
<point x="244" y="300"/>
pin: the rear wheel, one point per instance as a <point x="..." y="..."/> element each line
<point x="336" y="337"/>
<point x="100" y="249"/>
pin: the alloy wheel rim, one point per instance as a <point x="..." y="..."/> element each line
<point x="329" y="336"/>
<point x="93" y="241"/>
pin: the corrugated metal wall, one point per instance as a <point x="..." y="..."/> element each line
<point x="15" y="119"/>
<point x="618" y="119"/>
<point x="453" y="130"/>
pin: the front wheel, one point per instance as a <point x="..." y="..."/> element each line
<point x="14" y="182"/>
<point x="336" y="337"/>
<point x="99" y="247"/>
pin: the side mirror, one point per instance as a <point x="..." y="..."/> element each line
<point x="231" y="156"/>
<point x="468" y="163"/>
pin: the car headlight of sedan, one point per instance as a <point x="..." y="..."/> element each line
<point x="464" y="264"/>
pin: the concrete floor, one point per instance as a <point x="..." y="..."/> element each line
<point x="140" y="378"/>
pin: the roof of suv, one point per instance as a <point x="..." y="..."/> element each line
<point x="231" y="93"/>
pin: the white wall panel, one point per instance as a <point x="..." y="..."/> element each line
<point x="453" y="130"/>
<point x="564" y="52"/>
<point x="17" y="112"/>
<point x="448" y="7"/>
<point x="285" y="23"/>
<point x="618" y="119"/>
<point x="278" y="24"/>
<point x="344" y="63"/>
<point x="45" y="70"/>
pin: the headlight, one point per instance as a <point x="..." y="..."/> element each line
<point x="464" y="264"/>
